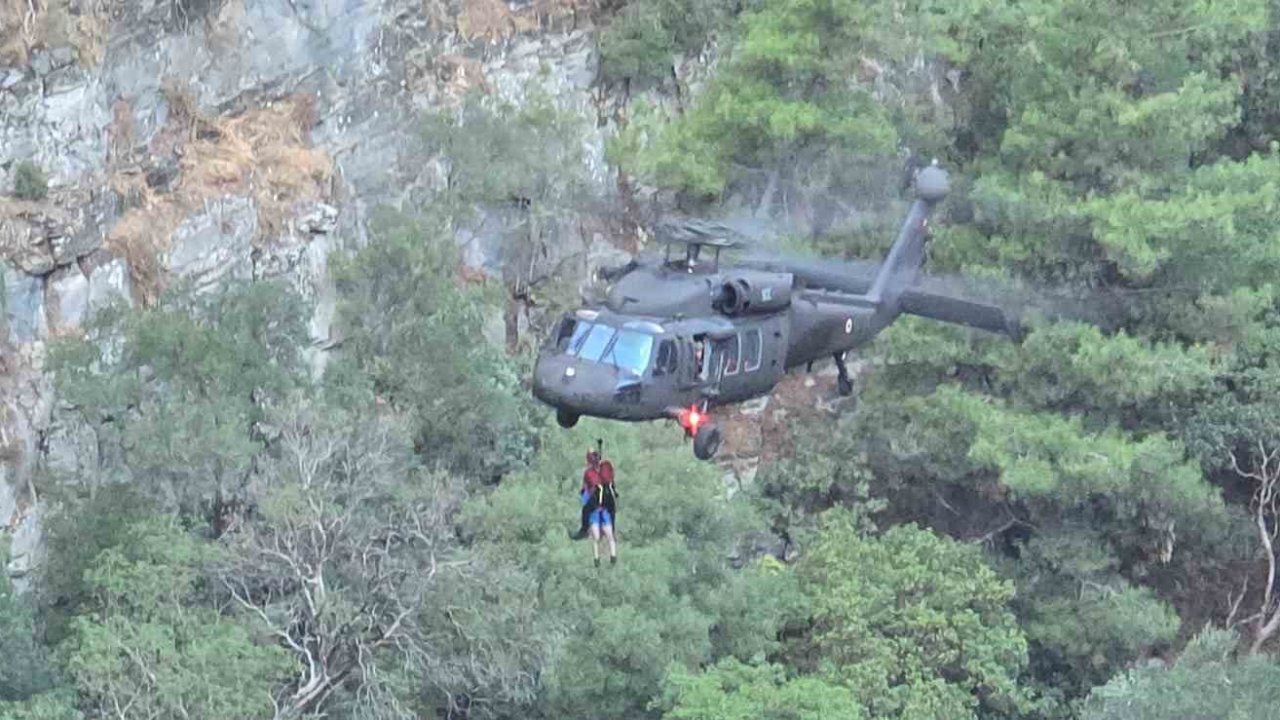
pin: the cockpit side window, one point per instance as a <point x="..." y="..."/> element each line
<point x="579" y="334"/>
<point x="570" y="333"/>
<point x="631" y="351"/>
<point x="593" y="343"/>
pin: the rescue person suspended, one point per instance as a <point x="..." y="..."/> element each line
<point x="599" y="498"/>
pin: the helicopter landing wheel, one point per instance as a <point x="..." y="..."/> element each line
<point x="844" y="386"/>
<point x="565" y="418"/>
<point x="706" y="442"/>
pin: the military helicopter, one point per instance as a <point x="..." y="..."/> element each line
<point x="675" y="338"/>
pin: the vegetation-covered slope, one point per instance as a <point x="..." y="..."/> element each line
<point x="1077" y="526"/>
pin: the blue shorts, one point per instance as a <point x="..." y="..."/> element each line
<point x="600" y="516"/>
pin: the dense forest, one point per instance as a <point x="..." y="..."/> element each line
<point x="1077" y="525"/>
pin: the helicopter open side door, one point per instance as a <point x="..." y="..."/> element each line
<point x="691" y="351"/>
<point x="705" y="357"/>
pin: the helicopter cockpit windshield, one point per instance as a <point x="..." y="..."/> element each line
<point x="628" y="349"/>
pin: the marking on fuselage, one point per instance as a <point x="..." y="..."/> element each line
<point x="848" y="326"/>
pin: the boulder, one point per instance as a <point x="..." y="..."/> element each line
<point x="10" y="78"/>
<point x="23" y="243"/>
<point x="66" y="298"/>
<point x="71" y="448"/>
<point x="316" y="218"/>
<point x="39" y="237"/>
<point x="216" y="245"/>
<point x="602" y="253"/>
<point x="26" y="547"/>
<point x="23" y="305"/>
<point x="107" y="282"/>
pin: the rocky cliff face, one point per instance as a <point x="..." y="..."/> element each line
<point x="214" y="139"/>
<point x="211" y="140"/>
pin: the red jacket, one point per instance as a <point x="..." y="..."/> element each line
<point x="593" y="477"/>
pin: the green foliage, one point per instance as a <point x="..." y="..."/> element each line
<point x="1085" y="515"/>
<point x="1104" y="509"/>
<point x="491" y="635"/>
<point x="54" y="705"/>
<point x="1080" y="156"/>
<point x="916" y="625"/>
<point x="77" y="533"/>
<point x="536" y="146"/>
<point x="782" y="99"/>
<point x="733" y="691"/>
<point x="1045" y="458"/>
<point x="1205" y="682"/>
<point x="1238" y="417"/>
<point x="683" y="155"/>
<point x="28" y="671"/>
<point x="1047" y="455"/>
<point x="640" y="42"/>
<point x="29" y="181"/>
<point x="1073" y="367"/>
<point x="149" y="645"/>
<point x="413" y="337"/>
<point x="172" y="396"/>
<point x="1179" y="231"/>
<point x="916" y="355"/>
<point x="825" y="470"/>
<point x="1082" y="618"/>
<point x="167" y="409"/>
<point x="672" y="597"/>
<point x="512" y="174"/>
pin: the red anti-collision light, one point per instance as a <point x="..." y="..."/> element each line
<point x="691" y="419"/>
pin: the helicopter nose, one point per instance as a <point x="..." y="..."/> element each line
<point x="566" y="382"/>
<point x="556" y="379"/>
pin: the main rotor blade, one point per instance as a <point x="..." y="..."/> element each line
<point x="991" y="303"/>
<point x="984" y="301"/>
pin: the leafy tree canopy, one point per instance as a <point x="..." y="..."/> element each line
<point x="915" y="624"/>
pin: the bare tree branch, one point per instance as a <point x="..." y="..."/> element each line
<point x="1264" y="470"/>
<point x="346" y="542"/>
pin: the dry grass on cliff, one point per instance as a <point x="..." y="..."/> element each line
<point x="28" y="25"/>
<point x="447" y="78"/>
<point x="18" y="31"/>
<point x="492" y="20"/>
<point x="143" y="233"/>
<point x="87" y="31"/>
<point x="264" y="154"/>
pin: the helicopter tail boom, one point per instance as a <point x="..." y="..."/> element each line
<point x="906" y="256"/>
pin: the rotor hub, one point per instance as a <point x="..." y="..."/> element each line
<point x="932" y="184"/>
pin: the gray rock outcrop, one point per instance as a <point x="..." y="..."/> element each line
<point x="24" y="305"/>
<point x="215" y="246"/>
<point x="112" y="131"/>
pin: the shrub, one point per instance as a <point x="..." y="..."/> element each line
<point x="30" y="182"/>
